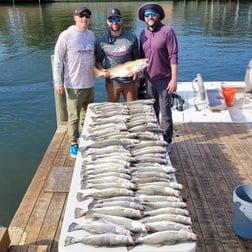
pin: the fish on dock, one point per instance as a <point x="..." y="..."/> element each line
<point x="168" y="217"/>
<point x="103" y="193"/>
<point x="167" y="237"/>
<point x="110" y="210"/>
<point x="98" y="227"/>
<point x="127" y="204"/>
<point x="98" y="240"/>
<point x="167" y="225"/>
<point x="130" y="224"/>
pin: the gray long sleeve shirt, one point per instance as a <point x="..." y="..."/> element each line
<point x="74" y="55"/>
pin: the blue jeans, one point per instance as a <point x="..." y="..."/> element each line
<point x="162" y="106"/>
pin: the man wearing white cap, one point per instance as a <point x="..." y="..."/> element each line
<point x="74" y="55"/>
<point x="158" y="43"/>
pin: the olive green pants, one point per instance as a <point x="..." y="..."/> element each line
<point x="77" y="102"/>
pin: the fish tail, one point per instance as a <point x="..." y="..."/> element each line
<point x="72" y="227"/>
<point x="91" y="205"/>
<point x="69" y="240"/>
<point x="89" y="214"/>
<point x="78" y="212"/>
<point x="80" y="196"/>
<point x="97" y="73"/>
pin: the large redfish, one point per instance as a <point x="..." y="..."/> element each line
<point x="126" y="69"/>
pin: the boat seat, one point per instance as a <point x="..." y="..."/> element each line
<point x="215" y="99"/>
<point x="248" y="83"/>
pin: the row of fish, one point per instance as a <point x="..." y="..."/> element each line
<point x="128" y="181"/>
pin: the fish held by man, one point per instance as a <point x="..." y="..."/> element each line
<point x="126" y="69"/>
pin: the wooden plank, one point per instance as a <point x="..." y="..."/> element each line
<point x="59" y="179"/>
<point x="37" y="217"/>
<point x="37" y="248"/>
<point x="221" y="199"/>
<point x="62" y="155"/>
<point x="54" y="247"/>
<point x="201" y="171"/>
<point x="18" y="248"/>
<point x="181" y="160"/>
<point x="52" y="220"/>
<point x="4" y="239"/>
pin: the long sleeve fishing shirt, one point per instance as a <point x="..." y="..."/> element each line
<point x="74" y="57"/>
<point x="161" y="48"/>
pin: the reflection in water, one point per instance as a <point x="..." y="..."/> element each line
<point x="214" y="39"/>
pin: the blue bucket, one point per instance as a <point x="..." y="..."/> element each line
<point x="242" y="211"/>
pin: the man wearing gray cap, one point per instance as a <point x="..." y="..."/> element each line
<point x="115" y="47"/>
<point x="158" y="43"/>
<point x="74" y="56"/>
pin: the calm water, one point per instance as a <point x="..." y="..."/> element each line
<point x="215" y="39"/>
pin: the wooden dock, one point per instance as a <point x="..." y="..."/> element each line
<point x="211" y="160"/>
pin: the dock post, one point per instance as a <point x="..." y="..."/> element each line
<point x="60" y="103"/>
<point x="4" y="239"/>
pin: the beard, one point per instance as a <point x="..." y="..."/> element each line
<point x="153" y="24"/>
<point x="115" y="28"/>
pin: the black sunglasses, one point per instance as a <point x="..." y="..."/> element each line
<point x="81" y="15"/>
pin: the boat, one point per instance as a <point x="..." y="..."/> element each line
<point x="213" y="106"/>
<point x="212" y="101"/>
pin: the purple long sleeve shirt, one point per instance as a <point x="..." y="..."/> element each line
<point x="161" y="48"/>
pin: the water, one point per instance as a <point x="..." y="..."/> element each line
<point x="214" y="38"/>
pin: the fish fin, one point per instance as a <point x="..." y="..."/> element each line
<point x="135" y="76"/>
<point x="147" y="228"/>
<point x="131" y="247"/>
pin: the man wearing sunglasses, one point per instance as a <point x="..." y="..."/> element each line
<point x="115" y="47"/>
<point x="74" y="57"/>
<point x="158" y="43"/>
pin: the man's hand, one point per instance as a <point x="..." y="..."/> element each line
<point x="106" y="74"/>
<point x="172" y="86"/>
<point x="59" y="89"/>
